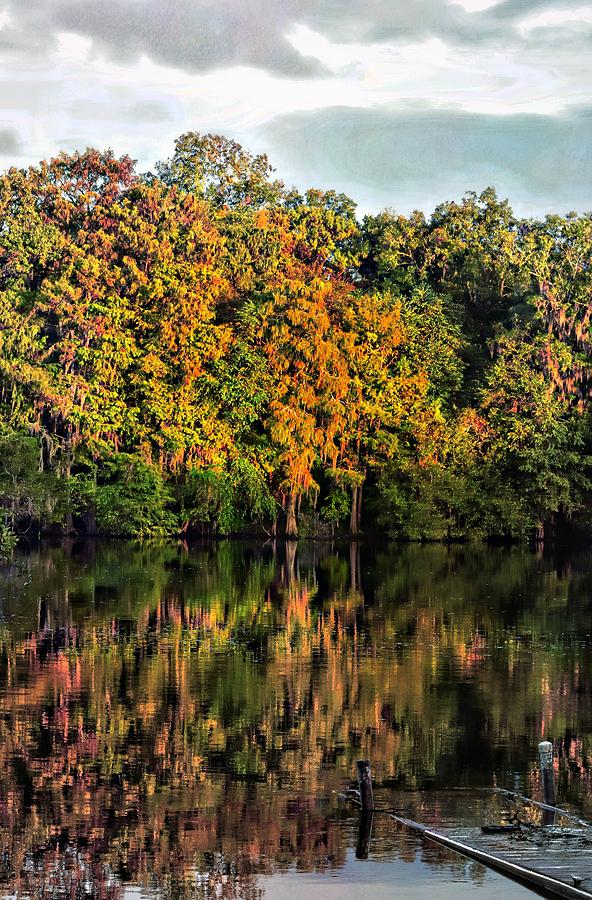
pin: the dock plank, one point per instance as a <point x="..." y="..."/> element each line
<point x="565" y="857"/>
<point x="548" y="874"/>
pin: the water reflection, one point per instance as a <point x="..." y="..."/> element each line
<point x="178" y="719"/>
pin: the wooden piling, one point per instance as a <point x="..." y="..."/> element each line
<point x="365" y="784"/>
<point x="548" y="779"/>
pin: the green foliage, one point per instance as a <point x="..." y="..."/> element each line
<point x="7" y="538"/>
<point x="28" y="494"/>
<point x="132" y="499"/>
<point x="336" y="507"/>
<point x="437" y="503"/>
<point x="434" y="340"/>
<point x="536" y="439"/>
<point x="227" y="500"/>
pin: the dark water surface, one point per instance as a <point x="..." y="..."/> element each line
<point x="174" y="722"/>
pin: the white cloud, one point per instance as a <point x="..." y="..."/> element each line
<point x="475" y="6"/>
<point x="473" y="79"/>
<point x="334" y="56"/>
<point x="556" y="18"/>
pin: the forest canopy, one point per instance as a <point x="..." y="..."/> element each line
<point x="201" y="349"/>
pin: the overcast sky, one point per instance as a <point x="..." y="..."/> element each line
<point x="400" y="103"/>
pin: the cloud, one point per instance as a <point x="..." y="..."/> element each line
<point x="113" y="110"/>
<point x="10" y="142"/>
<point x="199" y="35"/>
<point x="417" y="158"/>
<point x="196" y="35"/>
<point x="556" y="18"/>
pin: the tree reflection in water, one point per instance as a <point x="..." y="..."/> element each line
<point x="178" y="718"/>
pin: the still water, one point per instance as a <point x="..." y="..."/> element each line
<point x="175" y="722"/>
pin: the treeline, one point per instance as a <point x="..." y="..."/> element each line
<point x="202" y="349"/>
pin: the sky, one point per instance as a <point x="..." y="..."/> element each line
<point x="399" y="103"/>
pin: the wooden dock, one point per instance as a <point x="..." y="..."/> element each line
<point x="543" y="847"/>
<point x="555" y="862"/>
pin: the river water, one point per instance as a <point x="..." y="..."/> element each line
<point x="176" y="722"/>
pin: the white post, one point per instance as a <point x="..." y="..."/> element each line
<point x="547" y="776"/>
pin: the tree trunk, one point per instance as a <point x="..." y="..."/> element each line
<point x="291" y="522"/>
<point x="353" y="519"/>
<point x="355" y="522"/>
<point x="90" y="519"/>
<point x="68" y="526"/>
<point x="69" y="518"/>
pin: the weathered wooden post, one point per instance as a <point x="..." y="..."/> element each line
<point x="365" y="784"/>
<point x="548" y="779"/>
<point x="364" y="833"/>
